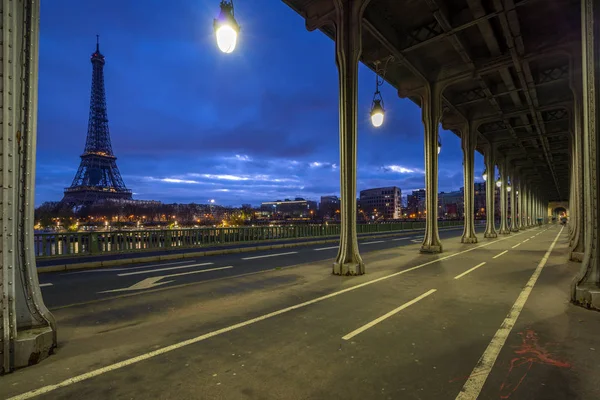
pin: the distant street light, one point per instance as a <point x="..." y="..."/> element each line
<point x="439" y="144"/>
<point x="226" y="27"/>
<point x="498" y="182"/>
<point x="484" y="176"/>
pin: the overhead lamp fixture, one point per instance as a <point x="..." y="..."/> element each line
<point x="499" y="181"/>
<point x="377" y="105"/>
<point x="517" y="192"/>
<point x="439" y="143"/>
<point x="226" y="27"/>
<point x="484" y="175"/>
<point x="508" y="188"/>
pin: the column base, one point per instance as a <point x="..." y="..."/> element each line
<point x="576" y="256"/>
<point x="348" y="269"/>
<point x="587" y="296"/>
<point x="466" y="239"/>
<point x="431" y="249"/>
<point x="515" y="230"/>
<point x="32" y="346"/>
<point x="504" y="232"/>
<point x="492" y="235"/>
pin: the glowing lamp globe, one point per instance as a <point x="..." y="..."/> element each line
<point x="377" y="114"/>
<point x="499" y="183"/>
<point x="508" y="188"/>
<point x="226" y="28"/>
<point x="484" y="176"/>
<point x="439" y="148"/>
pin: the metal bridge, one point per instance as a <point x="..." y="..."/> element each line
<point x="516" y="80"/>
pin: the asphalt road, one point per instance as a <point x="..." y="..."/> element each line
<point x="483" y="321"/>
<point x="67" y="288"/>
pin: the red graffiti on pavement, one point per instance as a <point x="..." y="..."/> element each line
<point x="529" y="353"/>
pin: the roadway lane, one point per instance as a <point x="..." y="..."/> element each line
<point x="66" y="288"/>
<point x="415" y="328"/>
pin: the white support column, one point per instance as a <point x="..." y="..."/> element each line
<point x="431" y="108"/>
<point x="27" y="329"/>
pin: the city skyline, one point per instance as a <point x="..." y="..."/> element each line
<point x="257" y="125"/>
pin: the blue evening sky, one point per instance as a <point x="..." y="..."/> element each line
<point x="189" y="123"/>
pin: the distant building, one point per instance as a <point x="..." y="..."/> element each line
<point x="297" y="208"/>
<point x="382" y="202"/>
<point x="415" y="203"/>
<point x="329" y="207"/>
<point x="451" y="205"/>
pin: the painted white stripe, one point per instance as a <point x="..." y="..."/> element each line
<point x="469" y="270"/>
<point x="531" y="237"/>
<point x="500" y="254"/>
<point x="163" y="269"/>
<point x="379" y="241"/>
<point x="516" y="245"/>
<point x="45" y="284"/>
<point x="270" y="255"/>
<point x="386" y="316"/>
<point x="157" y="352"/>
<point x="525" y="241"/>
<point x="472" y="388"/>
<point x="327" y="248"/>
<point x="405" y="238"/>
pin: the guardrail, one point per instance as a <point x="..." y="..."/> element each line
<point x="95" y="243"/>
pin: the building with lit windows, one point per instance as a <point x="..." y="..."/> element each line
<point x="381" y="203"/>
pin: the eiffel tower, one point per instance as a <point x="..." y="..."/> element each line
<point x="98" y="177"/>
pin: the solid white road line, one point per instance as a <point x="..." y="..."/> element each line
<point x="379" y="241"/>
<point x="327" y="248"/>
<point x="45" y="284"/>
<point x="516" y="245"/>
<point x="404" y="238"/>
<point x="163" y="269"/>
<point x="470" y="270"/>
<point x="500" y="254"/>
<point x="157" y="352"/>
<point x="270" y="255"/>
<point x="386" y="316"/>
<point x="474" y="384"/>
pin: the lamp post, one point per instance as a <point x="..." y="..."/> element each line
<point x="226" y="27"/>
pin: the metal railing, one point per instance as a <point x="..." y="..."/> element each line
<point x="97" y="243"/>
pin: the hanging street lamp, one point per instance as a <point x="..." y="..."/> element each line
<point x="226" y="27"/>
<point x="439" y="144"/>
<point x="499" y="181"/>
<point x="377" y="107"/>
<point x="377" y="110"/>
<point x="484" y="175"/>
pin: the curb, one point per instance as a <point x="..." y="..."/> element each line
<point x="166" y="257"/>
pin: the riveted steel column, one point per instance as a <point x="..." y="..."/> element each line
<point x="503" y="198"/>
<point x="513" y="205"/>
<point x="516" y="214"/>
<point x="468" y="142"/>
<point x="490" y="193"/>
<point x="27" y="329"/>
<point x="348" y="48"/>
<point x="576" y="205"/>
<point x="431" y="108"/>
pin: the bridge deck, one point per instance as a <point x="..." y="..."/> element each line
<point x="277" y="337"/>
